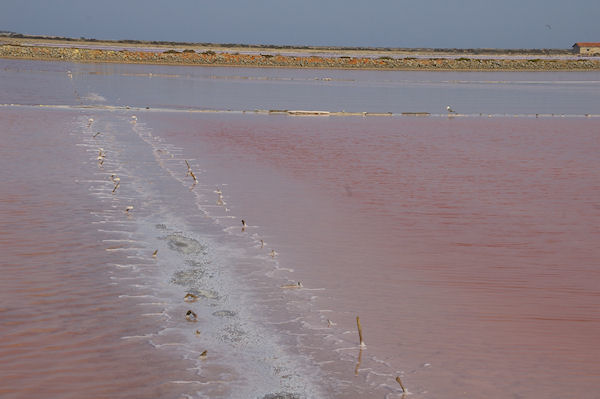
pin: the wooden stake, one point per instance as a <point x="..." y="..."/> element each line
<point x="400" y="382"/>
<point x="189" y="172"/>
<point x="360" y="336"/>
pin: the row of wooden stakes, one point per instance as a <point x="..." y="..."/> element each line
<point x="191" y="315"/>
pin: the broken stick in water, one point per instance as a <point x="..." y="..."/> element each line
<point x="399" y="381"/>
<point x="297" y="285"/>
<point x="360" y="336"/>
<point x="189" y="172"/>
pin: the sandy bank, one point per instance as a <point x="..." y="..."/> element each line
<point x="210" y="58"/>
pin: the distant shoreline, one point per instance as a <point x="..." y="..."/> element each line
<point x="16" y="38"/>
<point x="331" y="58"/>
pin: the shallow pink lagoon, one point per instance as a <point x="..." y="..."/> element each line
<point x="62" y="318"/>
<point x="468" y="246"/>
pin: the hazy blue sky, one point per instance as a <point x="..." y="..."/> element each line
<point x="388" y="23"/>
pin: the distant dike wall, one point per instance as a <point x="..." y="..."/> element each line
<point x="229" y="59"/>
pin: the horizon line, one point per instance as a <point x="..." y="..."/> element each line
<point x="17" y="35"/>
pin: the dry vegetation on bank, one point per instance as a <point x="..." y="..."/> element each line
<point x="131" y="51"/>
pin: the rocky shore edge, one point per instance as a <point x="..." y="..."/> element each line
<point x="211" y="58"/>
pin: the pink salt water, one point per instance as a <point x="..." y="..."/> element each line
<point x="468" y="246"/>
<point x="62" y="319"/>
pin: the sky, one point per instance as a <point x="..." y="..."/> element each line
<point x="369" y="23"/>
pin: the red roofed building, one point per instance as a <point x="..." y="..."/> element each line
<point x="587" y="48"/>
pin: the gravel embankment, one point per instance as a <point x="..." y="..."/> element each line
<point x="267" y="60"/>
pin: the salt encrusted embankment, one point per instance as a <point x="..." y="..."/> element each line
<point x="267" y="60"/>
